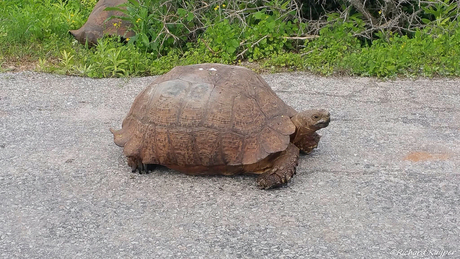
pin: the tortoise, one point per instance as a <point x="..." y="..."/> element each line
<point x="97" y="26"/>
<point x="217" y="119"/>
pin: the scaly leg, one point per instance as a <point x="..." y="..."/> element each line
<point x="137" y="165"/>
<point x="308" y="142"/>
<point x="283" y="169"/>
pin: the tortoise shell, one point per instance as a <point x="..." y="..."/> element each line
<point x="206" y="117"/>
<point x="97" y="26"/>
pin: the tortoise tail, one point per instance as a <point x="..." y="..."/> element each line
<point x="119" y="138"/>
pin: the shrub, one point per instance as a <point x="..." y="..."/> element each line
<point x="370" y="38"/>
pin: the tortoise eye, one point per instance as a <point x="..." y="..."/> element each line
<point x="315" y="117"/>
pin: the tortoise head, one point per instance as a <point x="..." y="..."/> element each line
<point x="310" y="121"/>
<point x="307" y="123"/>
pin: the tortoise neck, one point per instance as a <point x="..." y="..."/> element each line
<point x="301" y="125"/>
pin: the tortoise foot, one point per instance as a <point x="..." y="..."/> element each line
<point x="137" y="166"/>
<point x="283" y="169"/>
<point x="275" y="178"/>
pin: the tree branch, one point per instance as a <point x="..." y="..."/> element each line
<point x="360" y="6"/>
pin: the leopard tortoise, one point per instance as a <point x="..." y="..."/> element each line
<point x="217" y="119"/>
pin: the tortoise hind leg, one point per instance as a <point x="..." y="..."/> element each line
<point x="282" y="171"/>
<point x="136" y="165"/>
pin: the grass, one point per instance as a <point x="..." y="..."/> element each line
<point x="34" y="36"/>
<point x="33" y="30"/>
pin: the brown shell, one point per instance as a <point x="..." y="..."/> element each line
<point x="97" y="26"/>
<point x="206" y="115"/>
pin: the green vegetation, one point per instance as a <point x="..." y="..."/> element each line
<point x="366" y="38"/>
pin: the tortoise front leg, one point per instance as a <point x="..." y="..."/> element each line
<point x="308" y="142"/>
<point x="283" y="169"/>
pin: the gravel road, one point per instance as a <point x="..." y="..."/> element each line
<point x="383" y="183"/>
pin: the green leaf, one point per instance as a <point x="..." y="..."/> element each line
<point x="123" y="18"/>
<point x="271" y="25"/>
<point x="190" y="16"/>
<point x="181" y="12"/>
<point x="391" y="68"/>
<point x="259" y="15"/>
<point x="426" y="21"/>
<point x="116" y="9"/>
<point x="234" y="43"/>
<point x="443" y="22"/>
<point x="134" y="2"/>
<point x="449" y="8"/>
<point x="145" y="39"/>
<point x="284" y="5"/>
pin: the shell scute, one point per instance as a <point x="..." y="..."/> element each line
<point x="208" y="146"/>
<point x="192" y="113"/>
<point x="273" y="141"/>
<point x="282" y="124"/>
<point x="232" y="145"/>
<point x="165" y="106"/>
<point x="253" y="151"/>
<point x="246" y="116"/>
<point x="183" y="147"/>
<point x="163" y="147"/>
<point x="148" y="151"/>
<point x="218" y="111"/>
